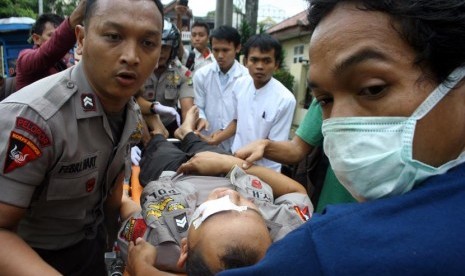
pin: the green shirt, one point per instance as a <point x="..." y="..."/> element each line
<point x="310" y="131"/>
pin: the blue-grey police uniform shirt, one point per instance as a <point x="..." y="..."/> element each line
<point x="58" y="158"/>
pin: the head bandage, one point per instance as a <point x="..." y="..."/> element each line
<point x="212" y="207"/>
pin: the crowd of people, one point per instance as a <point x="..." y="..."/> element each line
<point x="388" y="111"/>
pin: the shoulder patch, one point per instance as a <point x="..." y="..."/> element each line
<point x="33" y="129"/>
<point x="21" y="151"/>
<point x="133" y="229"/>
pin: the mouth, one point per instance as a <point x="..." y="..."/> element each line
<point x="126" y="78"/>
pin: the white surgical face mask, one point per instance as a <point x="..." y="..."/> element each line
<point x="372" y="156"/>
<point x="212" y="207"/>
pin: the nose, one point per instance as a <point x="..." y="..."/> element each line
<point x="130" y="53"/>
<point x="344" y="106"/>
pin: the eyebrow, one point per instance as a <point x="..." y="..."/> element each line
<point x="358" y="57"/>
<point x="110" y="24"/>
<point x="355" y="59"/>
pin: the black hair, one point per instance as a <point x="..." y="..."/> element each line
<point x="234" y="257"/>
<point x="227" y="33"/>
<point x="435" y="29"/>
<point x="39" y="25"/>
<point x="201" y="24"/>
<point x="264" y="42"/>
<point x="90" y="5"/>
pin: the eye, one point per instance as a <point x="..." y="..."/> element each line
<point x="373" y="91"/>
<point x="149" y="43"/>
<point x="324" y="100"/>
<point x="113" y="36"/>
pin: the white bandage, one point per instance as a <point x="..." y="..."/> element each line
<point x="212" y="207"/>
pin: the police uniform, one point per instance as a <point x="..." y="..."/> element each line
<point x="169" y="203"/>
<point x="173" y="84"/>
<point x="60" y="159"/>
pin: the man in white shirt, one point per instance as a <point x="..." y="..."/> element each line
<point x="213" y="84"/>
<point x="263" y="107"/>
<point x="200" y="55"/>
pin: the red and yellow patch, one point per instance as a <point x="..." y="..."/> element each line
<point x="35" y="130"/>
<point x="133" y="229"/>
<point x="21" y="150"/>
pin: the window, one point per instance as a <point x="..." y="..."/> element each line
<point x="298" y="53"/>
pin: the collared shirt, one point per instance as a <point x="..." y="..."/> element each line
<point x="59" y="158"/>
<point x="264" y="113"/>
<point x="200" y="59"/>
<point x="215" y="101"/>
<point x="224" y="78"/>
<point x="173" y="84"/>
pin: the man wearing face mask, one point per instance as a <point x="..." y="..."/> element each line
<point x="207" y="222"/>
<point x="394" y="133"/>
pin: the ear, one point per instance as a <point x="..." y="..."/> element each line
<point x="238" y="49"/>
<point x="36" y="39"/>
<point x="183" y="256"/>
<point x="276" y="66"/>
<point x="80" y="37"/>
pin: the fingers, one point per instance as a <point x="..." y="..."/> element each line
<point x="178" y="119"/>
<point x="185" y="168"/>
<point x="139" y="240"/>
<point x="246" y="165"/>
<point x="200" y="125"/>
<point x="135" y="155"/>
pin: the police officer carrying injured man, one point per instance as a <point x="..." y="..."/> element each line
<point x="169" y="83"/>
<point x="64" y="140"/>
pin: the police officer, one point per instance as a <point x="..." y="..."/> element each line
<point x="170" y="85"/>
<point x="64" y="141"/>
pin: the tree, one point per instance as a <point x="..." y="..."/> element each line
<point x="251" y="14"/>
<point x="30" y="8"/>
<point x="18" y="8"/>
<point x="245" y="31"/>
<point x="61" y="7"/>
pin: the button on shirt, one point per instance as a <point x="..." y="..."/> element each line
<point x="264" y="113"/>
<point x="214" y="99"/>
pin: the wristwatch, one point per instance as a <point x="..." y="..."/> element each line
<point x="152" y="107"/>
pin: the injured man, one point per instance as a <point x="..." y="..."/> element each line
<point x="200" y="212"/>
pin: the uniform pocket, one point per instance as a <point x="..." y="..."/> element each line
<point x="171" y="92"/>
<point x="72" y="188"/>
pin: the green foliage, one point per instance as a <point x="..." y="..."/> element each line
<point x="245" y="31"/>
<point x="30" y="8"/>
<point x="282" y="74"/>
<point x="18" y="8"/>
<point x="286" y="78"/>
<point x="261" y="28"/>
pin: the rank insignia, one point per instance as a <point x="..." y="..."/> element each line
<point x="88" y="102"/>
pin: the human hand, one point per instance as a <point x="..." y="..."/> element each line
<point x="251" y="152"/>
<point x="202" y="124"/>
<point x="181" y="9"/>
<point x="164" y="110"/>
<point x="155" y="125"/>
<point x="135" y="155"/>
<point x="77" y="16"/>
<point x="209" y="139"/>
<point x="140" y="253"/>
<point x="209" y="163"/>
